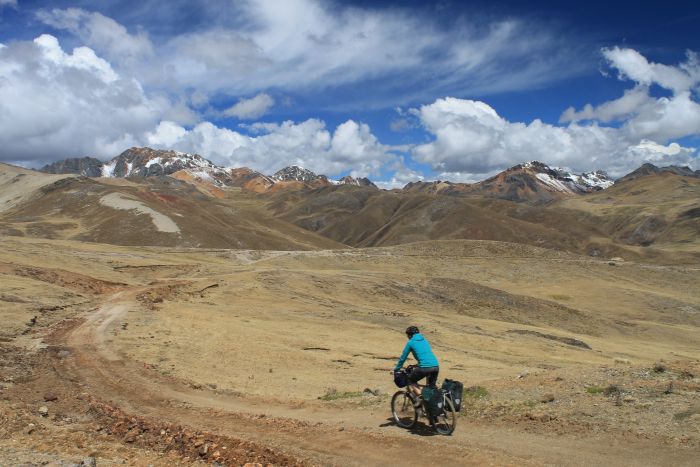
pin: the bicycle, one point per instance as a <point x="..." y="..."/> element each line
<point x="406" y="408"/>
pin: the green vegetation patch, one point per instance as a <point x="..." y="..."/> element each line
<point x="610" y="390"/>
<point x="559" y="297"/>
<point x="333" y="395"/>
<point x="475" y="392"/>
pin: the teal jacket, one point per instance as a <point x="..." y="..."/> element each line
<point x="419" y="347"/>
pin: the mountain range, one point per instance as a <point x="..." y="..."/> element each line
<point x="532" y="181"/>
<point x="167" y="198"/>
<point x="147" y="162"/>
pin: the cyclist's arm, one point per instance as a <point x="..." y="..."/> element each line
<point x="404" y="356"/>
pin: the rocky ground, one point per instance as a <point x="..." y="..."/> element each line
<point x="138" y="356"/>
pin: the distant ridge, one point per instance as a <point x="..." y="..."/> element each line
<point x="651" y="169"/>
<point x="531" y="181"/>
<point x="148" y="162"/>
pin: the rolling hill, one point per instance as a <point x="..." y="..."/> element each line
<point x="143" y="211"/>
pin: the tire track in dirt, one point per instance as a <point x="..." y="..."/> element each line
<point x="312" y="434"/>
<point x="318" y="435"/>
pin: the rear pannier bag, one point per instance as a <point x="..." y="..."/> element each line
<point x="433" y="400"/>
<point x="455" y="390"/>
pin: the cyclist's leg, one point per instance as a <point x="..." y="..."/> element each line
<point x="416" y="375"/>
<point x="432" y="377"/>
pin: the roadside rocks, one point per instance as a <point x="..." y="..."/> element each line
<point x="186" y="442"/>
<point x="43" y="411"/>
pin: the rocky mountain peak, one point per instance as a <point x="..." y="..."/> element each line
<point x="86" y="166"/>
<point x="362" y="181"/>
<point x="145" y="162"/>
<point x="561" y="179"/>
<point x="296" y="173"/>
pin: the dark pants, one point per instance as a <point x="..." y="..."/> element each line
<point x="419" y="373"/>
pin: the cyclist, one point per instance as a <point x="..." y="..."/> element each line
<point x="428" y="365"/>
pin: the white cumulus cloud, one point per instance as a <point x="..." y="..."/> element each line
<point x="471" y="141"/>
<point x="252" y="108"/>
<point x="57" y="104"/>
<point x="644" y="116"/>
<point x="351" y="147"/>
<point x="101" y="33"/>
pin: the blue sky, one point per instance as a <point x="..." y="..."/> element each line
<point x="397" y="91"/>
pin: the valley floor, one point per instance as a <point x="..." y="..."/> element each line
<point x="162" y="356"/>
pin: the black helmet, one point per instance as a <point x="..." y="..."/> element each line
<point x="411" y="330"/>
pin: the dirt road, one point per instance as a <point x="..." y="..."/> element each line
<point x="318" y="435"/>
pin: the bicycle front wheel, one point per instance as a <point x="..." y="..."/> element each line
<point x="446" y="422"/>
<point x="402" y="409"/>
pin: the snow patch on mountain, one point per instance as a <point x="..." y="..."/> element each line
<point x="108" y="169"/>
<point x="564" y="180"/>
<point x="555" y="184"/>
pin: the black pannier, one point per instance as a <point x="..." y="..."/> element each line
<point x="400" y="378"/>
<point x="455" y="390"/>
<point x="433" y="400"/>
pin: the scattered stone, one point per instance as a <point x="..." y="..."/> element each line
<point x="89" y="462"/>
<point x="659" y="367"/>
<point x="50" y="397"/>
<point x="124" y="326"/>
<point x="547" y="398"/>
<point x="44" y="411"/>
<point x="64" y="354"/>
<point x="30" y="428"/>
<point x="629" y="399"/>
<point x="372" y="392"/>
<point x="342" y="428"/>
<point x="623" y="361"/>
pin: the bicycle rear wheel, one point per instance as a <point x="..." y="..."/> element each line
<point x="446" y="422"/>
<point x="403" y="411"/>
